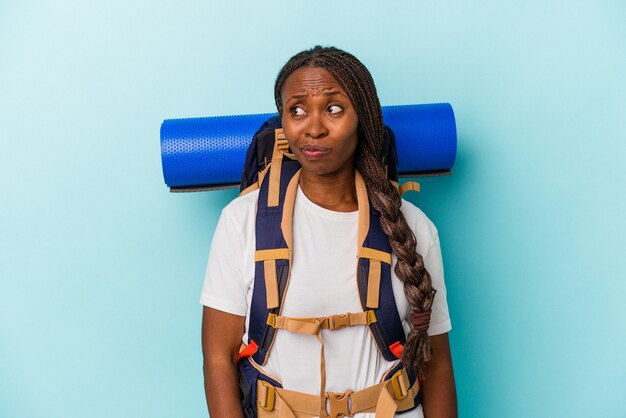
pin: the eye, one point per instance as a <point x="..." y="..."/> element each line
<point x="334" y="109"/>
<point x="296" y="111"/>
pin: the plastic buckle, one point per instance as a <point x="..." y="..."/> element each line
<point x="397" y="349"/>
<point x="339" y="404"/>
<point x="400" y="384"/>
<point x="339" y="321"/>
<point x="267" y="396"/>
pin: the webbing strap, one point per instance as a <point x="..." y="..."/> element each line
<point x="409" y="186"/>
<point x="274" y="254"/>
<point x="312" y="326"/>
<point x="386" y="406"/>
<point x="269" y="258"/>
<point x="286" y="222"/>
<point x="385" y="399"/>
<point x="373" y="280"/>
<point x="373" y="284"/>
<point x="373" y="254"/>
<point x="271" y="283"/>
<point x="364" y="210"/>
<point x="282" y="143"/>
<point x="273" y="192"/>
<point x="322" y="372"/>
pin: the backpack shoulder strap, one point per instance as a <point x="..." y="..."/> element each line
<point x="269" y="146"/>
<point x="278" y="185"/>
<point x="374" y="278"/>
<point x="273" y="255"/>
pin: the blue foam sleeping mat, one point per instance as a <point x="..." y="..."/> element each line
<point x="208" y="153"/>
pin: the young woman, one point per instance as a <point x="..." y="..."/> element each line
<point x="332" y="120"/>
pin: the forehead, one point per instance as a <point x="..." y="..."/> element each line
<point x="311" y="81"/>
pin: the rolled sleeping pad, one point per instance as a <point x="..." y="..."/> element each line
<point x="209" y="153"/>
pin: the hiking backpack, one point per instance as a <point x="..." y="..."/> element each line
<point x="271" y="168"/>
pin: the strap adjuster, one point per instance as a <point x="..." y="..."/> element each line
<point x="268" y="396"/>
<point x="400" y="384"/>
<point x="271" y="320"/>
<point x="371" y="317"/>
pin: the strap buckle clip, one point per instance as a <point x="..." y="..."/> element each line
<point x="339" y="404"/>
<point x="339" y="321"/>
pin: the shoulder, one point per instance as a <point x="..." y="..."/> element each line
<point x="424" y="229"/>
<point x="239" y="216"/>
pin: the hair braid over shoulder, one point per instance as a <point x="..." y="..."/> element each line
<point x="356" y="80"/>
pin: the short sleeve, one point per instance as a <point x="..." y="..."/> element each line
<point x="440" y="318"/>
<point x="224" y="288"/>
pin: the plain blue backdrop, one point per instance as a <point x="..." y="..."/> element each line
<point x="101" y="267"/>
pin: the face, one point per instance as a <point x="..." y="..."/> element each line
<point x="319" y="122"/>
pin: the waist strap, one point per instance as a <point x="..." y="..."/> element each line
<point x="384" y="399"/>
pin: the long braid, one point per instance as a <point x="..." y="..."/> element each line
<point x="356" y="80"/>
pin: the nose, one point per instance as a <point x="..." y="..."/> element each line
<point x="316" y="127"/>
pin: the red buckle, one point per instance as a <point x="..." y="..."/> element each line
<point x="396" y="348"/>
<point x="248" y="350"/>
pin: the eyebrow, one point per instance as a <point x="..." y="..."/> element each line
<point x="327" y="94"/>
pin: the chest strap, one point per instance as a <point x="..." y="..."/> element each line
<point x="314" y="326"/>
<point x="384" y="399"/>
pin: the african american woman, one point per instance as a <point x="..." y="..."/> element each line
<point x="332" y="120"/>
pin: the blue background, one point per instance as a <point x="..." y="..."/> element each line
<point x="102" y="267"/>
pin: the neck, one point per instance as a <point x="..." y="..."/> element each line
<point x="333" y="192"/>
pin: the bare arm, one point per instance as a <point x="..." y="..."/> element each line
<point x="221" y="339"/>
<point x="439" y="392"/>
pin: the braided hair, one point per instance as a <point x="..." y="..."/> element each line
<point x="356" y="80"/>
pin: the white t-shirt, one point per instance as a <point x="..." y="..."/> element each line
<point x="323" y="282"/>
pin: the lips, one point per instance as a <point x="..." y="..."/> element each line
<point x="313" y="152"/>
